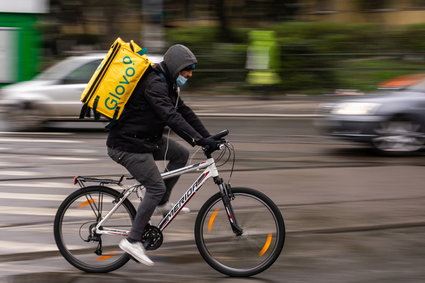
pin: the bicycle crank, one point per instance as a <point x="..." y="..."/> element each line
<point x="152" y="238"/>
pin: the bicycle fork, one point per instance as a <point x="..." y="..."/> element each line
<point x="227" y="196"/>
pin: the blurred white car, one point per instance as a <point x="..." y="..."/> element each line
<point x="53" y="95"/>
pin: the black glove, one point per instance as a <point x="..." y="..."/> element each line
<point x="208" y="143"/>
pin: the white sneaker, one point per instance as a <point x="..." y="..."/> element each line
<point x="136" y="250"/>
<point x="166" y="207"/>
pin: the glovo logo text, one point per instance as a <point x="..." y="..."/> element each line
<point x="111" y="102"/>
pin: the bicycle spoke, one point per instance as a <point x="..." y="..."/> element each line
<point x="266" y="245"/>
<point x="107" y="256"/>
<point x="212" y="219"/>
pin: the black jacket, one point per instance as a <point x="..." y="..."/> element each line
<point x="153" y="105"/>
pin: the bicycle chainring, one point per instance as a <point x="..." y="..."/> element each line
<point x="152" y="238"/>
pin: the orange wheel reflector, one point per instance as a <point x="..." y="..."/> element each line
<point x="266" y="245"/>
<point x="105" y="257"/>
<point x="87" y="202"/>
<point x="212" y="218"/>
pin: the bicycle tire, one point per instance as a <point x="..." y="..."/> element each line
<point x="72" y="223"/>
<point x="259" y="245"/>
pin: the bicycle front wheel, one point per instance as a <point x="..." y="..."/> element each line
<point x="74" y="229"/>
<point x="259" y="245"/>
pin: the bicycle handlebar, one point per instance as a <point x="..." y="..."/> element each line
<point x="216" y="137"/>
<point x="220" y="135"/>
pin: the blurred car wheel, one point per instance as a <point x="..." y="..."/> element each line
<point x="23" y="117"/>
<point x="399" y="136"/>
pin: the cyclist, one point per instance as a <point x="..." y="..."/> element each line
<point x="136" y="141"/>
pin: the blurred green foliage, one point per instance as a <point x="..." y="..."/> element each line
<point x="318" y="56"/>
<point x="218" y="62"/>
<point x="410" y="38"/>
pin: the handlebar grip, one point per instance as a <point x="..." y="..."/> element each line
<point x="220" y="134"/>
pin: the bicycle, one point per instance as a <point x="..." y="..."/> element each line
<point x="238" y="231"/>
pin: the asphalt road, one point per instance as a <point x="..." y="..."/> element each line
<point x="351" y="215"/>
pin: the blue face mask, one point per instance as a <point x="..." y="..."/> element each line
<point x="181" y="80"/>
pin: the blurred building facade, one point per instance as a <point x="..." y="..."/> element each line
<point x="243" y="12"/>
<point x="389" y="12"/>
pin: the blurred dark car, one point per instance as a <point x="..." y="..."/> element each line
<point x="391" y="120"/>
<point x="53" y="95"/>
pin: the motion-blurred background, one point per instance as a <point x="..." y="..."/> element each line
<point x="310" y="46"/>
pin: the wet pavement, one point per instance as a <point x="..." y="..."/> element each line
<point x="358" y="215"/>
<point x="360" y="222"/>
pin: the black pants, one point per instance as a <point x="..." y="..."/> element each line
<point x="143" y="168"/>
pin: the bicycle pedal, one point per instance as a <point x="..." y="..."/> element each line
<point x="134" y="258"/>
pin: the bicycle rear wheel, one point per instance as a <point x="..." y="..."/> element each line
<point x="73" y="229"/>
<point x="259" y="245"/>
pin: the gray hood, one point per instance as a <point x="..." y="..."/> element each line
<point x="177" y="58"/>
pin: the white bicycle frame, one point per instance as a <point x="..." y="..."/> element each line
<point x="209" y="172"/>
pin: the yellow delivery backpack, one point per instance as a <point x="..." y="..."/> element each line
<point x="114" y="80"/>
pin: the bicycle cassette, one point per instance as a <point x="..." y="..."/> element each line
<point x="152" y="238"/>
